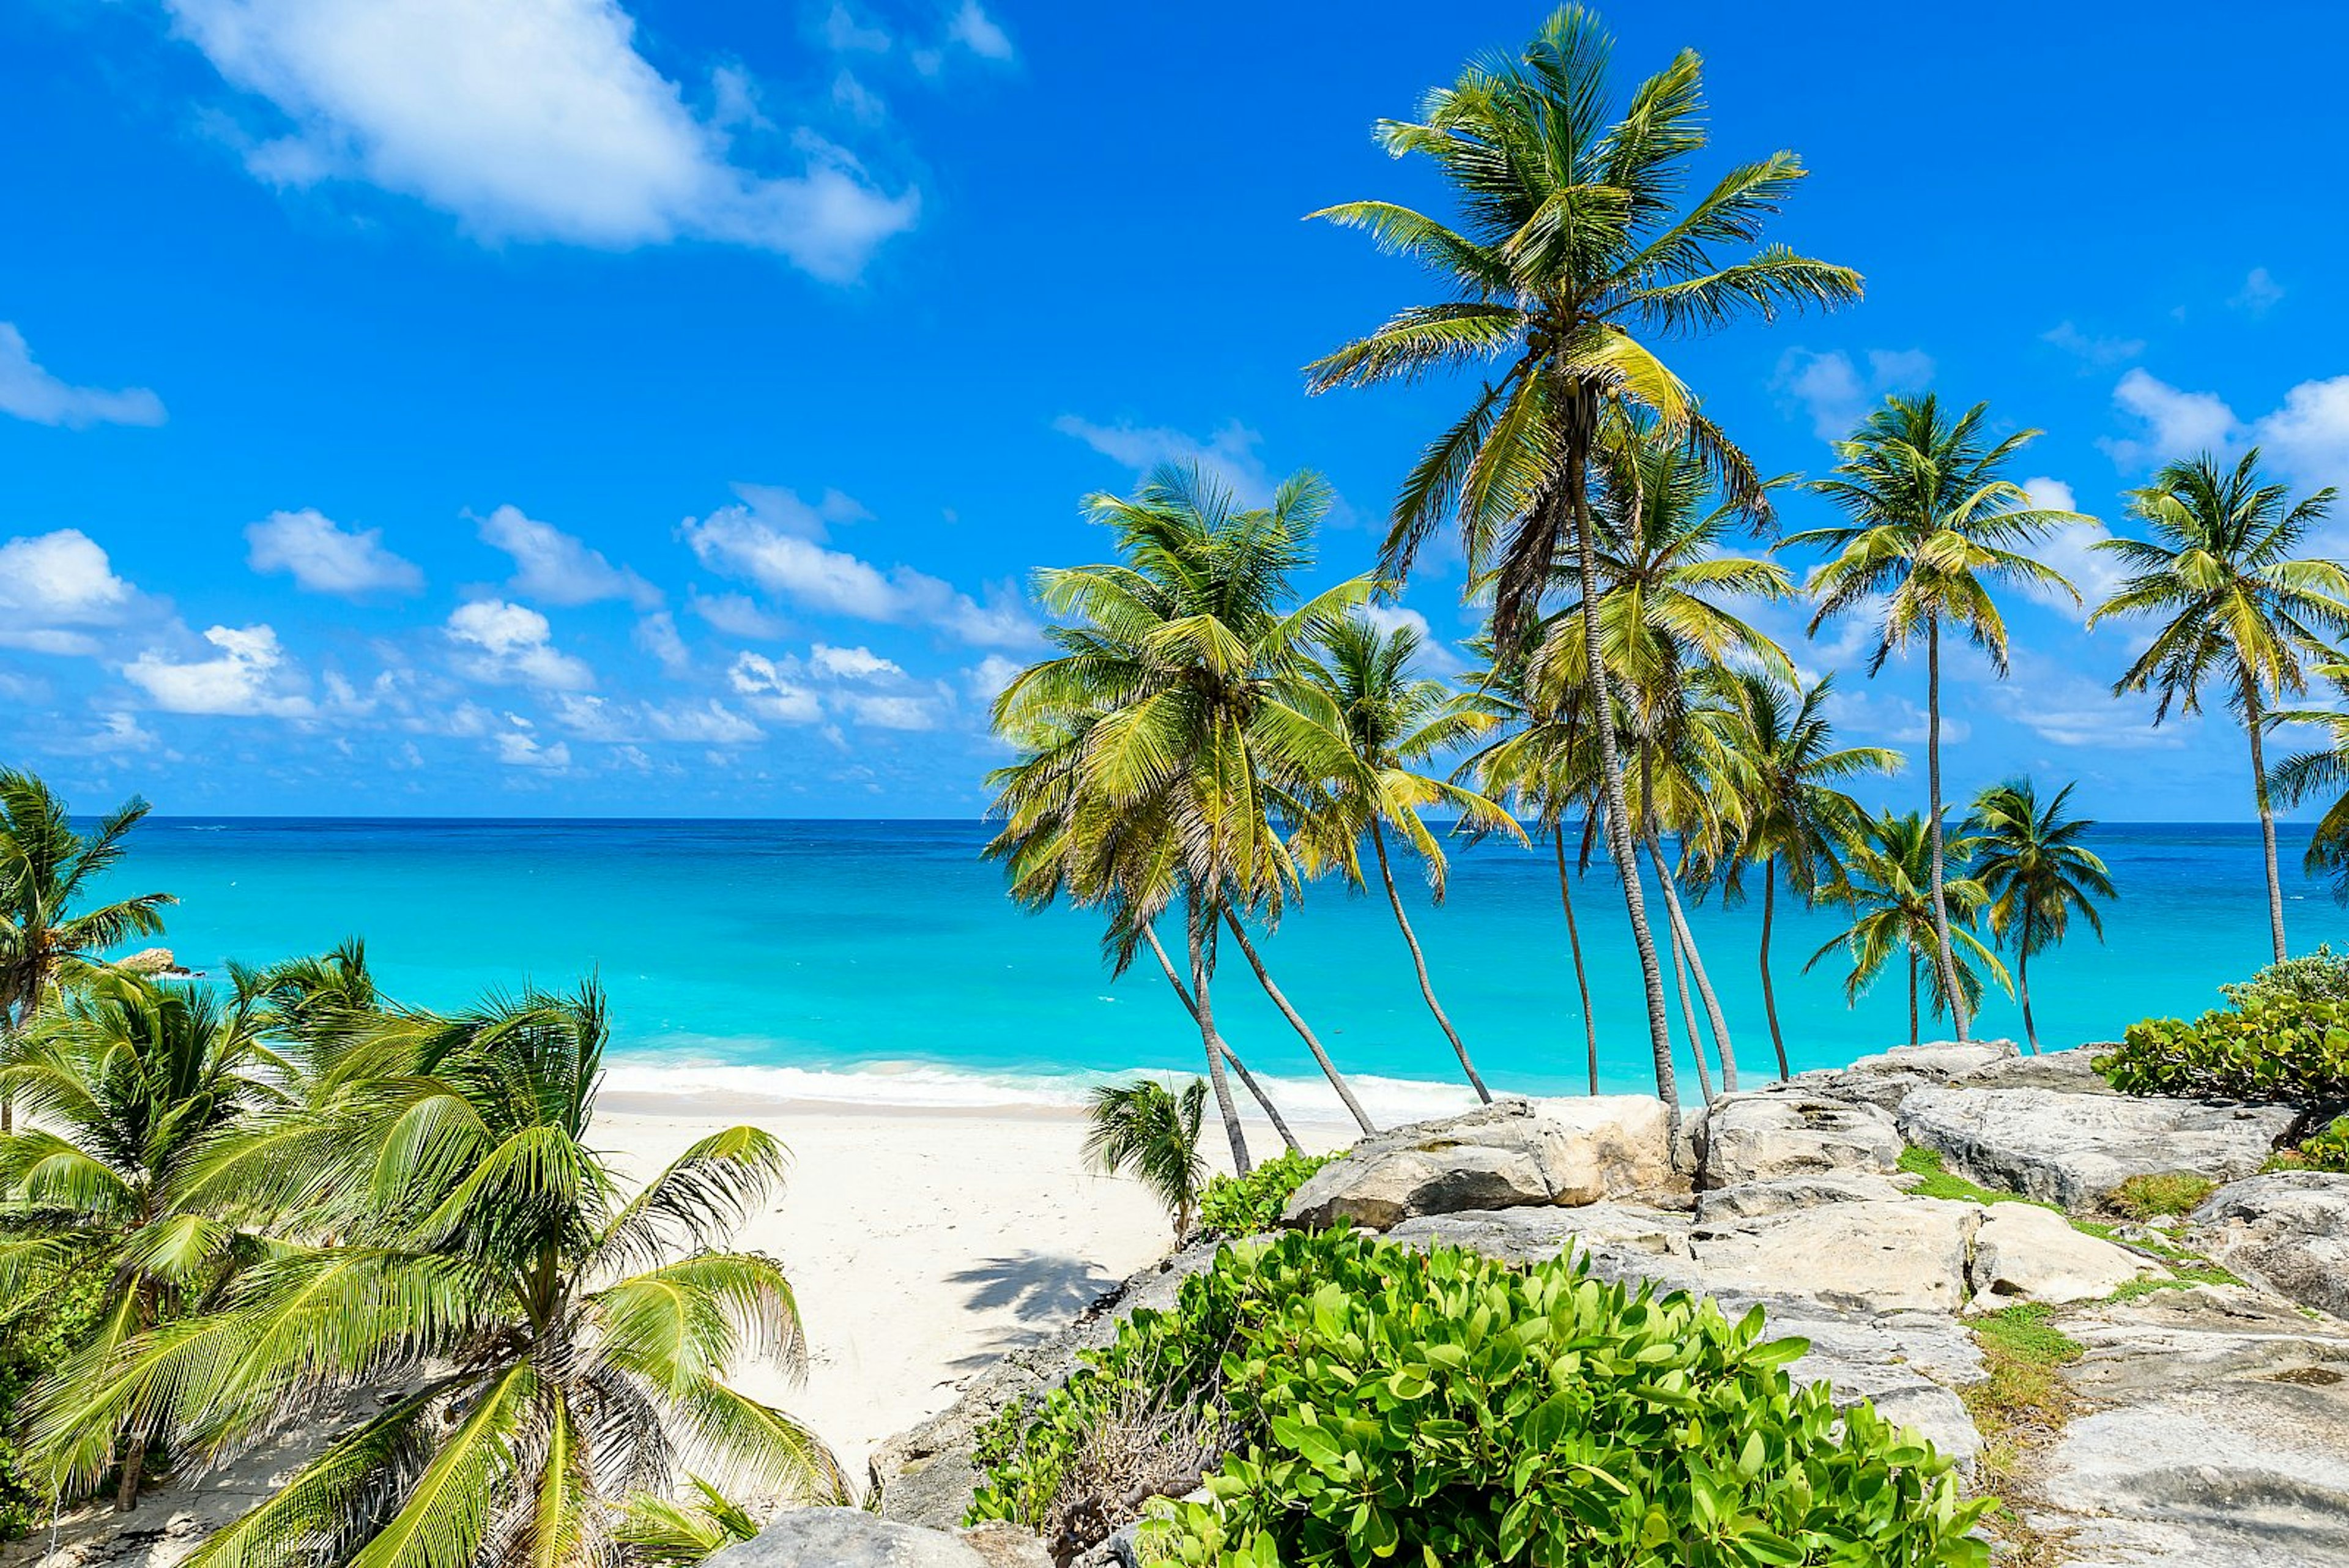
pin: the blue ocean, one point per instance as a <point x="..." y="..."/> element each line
<point x="881" y="960"/>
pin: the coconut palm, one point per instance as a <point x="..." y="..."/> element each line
<point x="559" y="1343"/>
<point x="1888" y="889"/>
<point x="1178" y="686"/>
<point x="46" y="872"/>
<point x="122" y="1082"/>
<point x="310" y="999"/>
<point x="1394" y="722"/>
<point x="1794" y="816"/>
<point x="1934" y="525"/>
<point x="2029" y="859"/>
<point x="2238" y="606"/>
<point x="2322" y="770"/>
<point x="667" y="1533"/>
<point x="1140" y="1130"/>
<point x="1571" y="246"/>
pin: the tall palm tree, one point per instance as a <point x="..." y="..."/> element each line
<point x="1888" y="889"/>
<point x="2029" y="859"/>
<point x="2321" y="770"/>
<point x="1934" y="523"/>
<point x="1571" y="244"/>
<point x="1394" y="722"/>
<point x="1178" y="686"/>
<point x="124" y="1082"/>
<point x="46" y="870"/>
<point x="1140" y="1130"/>
<point x="2238" y="605"/>
<point x="1794" y="816"/>
<point x="446" y="1228"/>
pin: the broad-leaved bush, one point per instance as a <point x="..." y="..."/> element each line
<point x="1252" y="1204"/>
<point x="2279" y="1049"/>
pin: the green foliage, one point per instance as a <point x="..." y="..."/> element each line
<point x="1252" y="1204"/>
<point x="662" y="1532"/>
<point x="52" y="1313"/>
<point x="1142" y="1131"/>
<point x="2320" y="976"/>
<point x="2325" y="1150"/>
<point x="1445" y="1408"/>
<point x="2154" y="1193"/>
<point x="2279" y="1049"/>
<point x="1937" y="1182"/>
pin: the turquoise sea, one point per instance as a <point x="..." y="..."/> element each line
<point x="881" y="960"/>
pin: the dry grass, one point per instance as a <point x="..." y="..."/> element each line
<point x="2019" y="1410"/>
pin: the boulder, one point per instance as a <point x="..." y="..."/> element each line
<point x="1777" y="1132"/>
<point x="2073" y="1149"/>
<point x="2288" y="1231"/>
<point x="1504" y="1156"/>
<point x="1630" y="1137"/>
<point x="2026" y="1254"/>
<point x="1906" y="1255"/>
<point x="1753" y="1199"/>
<point x="1885" y="1079"/>
<point x="852" y="1537"/>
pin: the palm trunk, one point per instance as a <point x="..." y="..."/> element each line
<point x="1419" y="962"/>
<point x="1912" y="996"/>
<point x="1296" y="1021"/>
<point x="1271" y="1111"/>
<point x="1715" y="1023"/>
<point x="1574" y="940"/>
<point x="1944" y="958"/>
<point x="2267" y="814"/>
<point x="1617" y="822"/>
<point x="1769" y="999"/>
<point x="1688" y="1017"/>
<point x="1203" y="962"/>
<point x="134" y="1466"/>
<point x="2023" y="984"/>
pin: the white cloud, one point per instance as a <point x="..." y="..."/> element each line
<point x="975" y="30"/>
<point x="892" y="713"/>
<point x="250" y="676"/>
<point x="772" y="690"/>
<point x="2260" y="292"/>
<point x="769" y="545"/>
<point x="324" y="558"/>
<point x="737" y="614"/>
<point x="1838" y="394"/>
<point x="2067" y="709"/>
<point x="2072" y="551"/>
<point x="851" y="664"/>
<point x="551" y="565"/>
<point x="2095" y="353"/>
<point x="1229" y="453"/>
<point x="986" y="680"/>
<point x="1437" y="654"/>
<point x="2176" y="423"/>
<point x="513" y="642"/>
<point x="707" y="722"/>
<point x="846" y="33"/>
<point x="532" y="119"/>
<point x="517" y="747"/>
<point x="30" y="392"/>
<point x="657" y="635"/>
<point x="49" y="582"/>
<point x="2307" y="439"/>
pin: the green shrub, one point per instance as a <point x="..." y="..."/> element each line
<point x="1252" y="1204"/>
<point x="1442" y="1408"/>
<point x="2278" y="1049"/>
<point x="39" y="1326"/>
<point x="2327" y="1149"/>
<point x="2320" y="976"/>
<point x="2150" y="1194"/>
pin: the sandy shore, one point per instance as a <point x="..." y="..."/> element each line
<point x="922" y="1244"/>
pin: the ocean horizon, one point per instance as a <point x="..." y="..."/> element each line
<point x="873" y="961"/>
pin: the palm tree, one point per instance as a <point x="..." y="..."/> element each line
<point x="2321" y="770"/>
<point x="1794" y="816"/>
<point x="1934" y="525"/>
<point x="1140" y="1130"/>
<point x="1179" y="684"/>
<point x="122" y="1082"/>
<point x="1888" y="888"/>
<point x="2236" y="604"/>
<point x="1395" y="722"/>
<point x="665" y="1532"/>
<point x="446" y="1228"/>
<point x="46" y="869"/>
<point x="2029" y="859"/>
<point x="1572" y="239"/>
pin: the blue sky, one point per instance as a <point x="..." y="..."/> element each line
<point x="522" y="407"/>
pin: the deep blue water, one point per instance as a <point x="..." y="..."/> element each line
<point x="787" y="952"/>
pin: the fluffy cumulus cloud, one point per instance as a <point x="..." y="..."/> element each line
<point x="779" y="544"/>
<point x="2071" y="550"/>
<point x="53" y="584"/>
<point x="850" y="684"/>
<point x="2175" y="423"/>
<point x="1836" y="392"/>
<point x="553" y="566"/>
<point x="656" y="634"/>
<point x="503" y="642"/>
<point x="249" y="675"/>
<point x="531" y="119"/>
<point x="2304" y="439"/>
<point x="738" y="615"/>
<point x="27" y="391"/>
<point x="707" y="722"/>
<point x="987" y="679"/>
<point x="324" y="557"/>
<point x="518" y="746"/>
<point x="773" y="690"/>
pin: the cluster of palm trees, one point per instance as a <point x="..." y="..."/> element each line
<point x="1205" y="737"/>
<point x="310" y="1202"/>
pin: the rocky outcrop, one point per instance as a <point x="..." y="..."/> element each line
<point x="1883" y="1080"/>
<point x="2073" y="1149"/>
<point x="2287" y="1232"/>
<point x="1506" y="1156"/>
<point x="2024" y="1252"/>
<point x="1753" y="1199"/>
<point x="1784" y="1132"/>
<point x="852" y="1537"/>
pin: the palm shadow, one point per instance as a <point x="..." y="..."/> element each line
<point x="1044" y="1291"/>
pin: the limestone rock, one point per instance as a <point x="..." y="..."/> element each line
<point x="852" y="1537"/>
<point x="1630" y="1135"/>
<point x="1753" y="1199"/>
<point x="1504" y="1155"/>
<point x="1907" y="1255"/>
<point x="2288" y="1231"/>
<point x="1885" y="1079"/>
<point x="1771" y="1133"/>
<point x="2026" y="1254"/>
<point x="2073" y="1149"/>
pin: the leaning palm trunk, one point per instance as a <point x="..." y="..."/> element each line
<point x="1202" y="961"/>
<point x="1419" y="963"/>
<point x="2267" y="814"/>
<point x="1769" y="999"/>
<point x="1610" y="761"/>
<point x="1944" y="958"/>
<point x="1183" y="992"/>
<point x="1714" y="1021"/>
<point x="2022" y="983"/>
<point x="1574" y="942"/>
<point x="1297" y="1021"/>
<point x="1688" y="1016"/>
